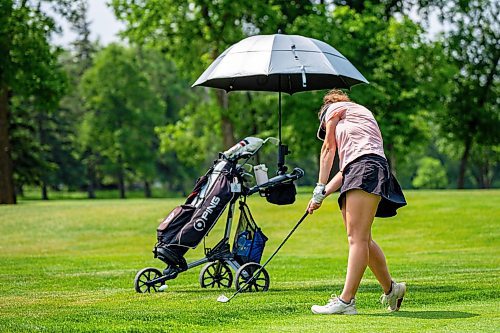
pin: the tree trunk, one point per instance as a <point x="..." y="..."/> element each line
<point x="147" y="189"/>
<point x="228" y="139"/>
<point x="483" y="176"/>
<point x="463" y="163"/>
<point x="121" y="184"/>
<point x="45" y="195"/>
<point x="121" y="178"/>
<point x="478" y="176"/>
<point x="7" y="189"/>
<point x="19" y="190"/>
<point x="486" y="173"/>
<point x="255" y="128"/>
<point x="91" y="177"/>
<point x="489" y="179"/>
<point x="40" y="120"/>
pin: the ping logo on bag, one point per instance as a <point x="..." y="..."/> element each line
<point x="199" y="224"/>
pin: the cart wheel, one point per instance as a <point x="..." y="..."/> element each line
<point x="245" y="273"/>
<point x="216" y="274"/>
<point x="145" y="275"/>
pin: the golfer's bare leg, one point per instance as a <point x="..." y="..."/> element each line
<point x="376" y="261"/>
<point x="378" y="266"/>
<point x="360" y="209"/>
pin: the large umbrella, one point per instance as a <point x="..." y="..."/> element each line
<point x="282" y="63"/>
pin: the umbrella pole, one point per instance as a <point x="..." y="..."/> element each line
<point x="279" y="116"/>
<point x="282" y="149"/>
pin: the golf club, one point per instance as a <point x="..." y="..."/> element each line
<point x="225" y="299"/>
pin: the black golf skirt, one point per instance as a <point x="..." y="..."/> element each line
<point x="371" y="174"/>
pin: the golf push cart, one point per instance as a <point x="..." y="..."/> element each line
<point x="225" y="184"/>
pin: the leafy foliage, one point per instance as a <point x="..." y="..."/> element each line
<point x="29" y="72"/>
<point x="124" y="112"/>
<point x="471" y="114"/>
<point x="133" y="119"/>
<point x="430" y="174"/>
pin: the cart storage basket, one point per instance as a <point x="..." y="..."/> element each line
<point x="249" y="240"/>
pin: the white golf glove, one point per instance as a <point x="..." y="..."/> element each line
<point x="319" y="193"/>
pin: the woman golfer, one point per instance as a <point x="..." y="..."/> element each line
<point x="368" y="189"/>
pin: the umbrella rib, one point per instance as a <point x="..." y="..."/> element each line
<point x="324" y="54"/>
<point x="305" y="51"/>
<point x="332" y="54"/>
<point x="346" y="85"/>
<point x="271" y="57"/>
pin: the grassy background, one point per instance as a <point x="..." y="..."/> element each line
<point x="69" y="266"/>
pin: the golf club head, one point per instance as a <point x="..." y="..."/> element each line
<point x="273" y="141"/>
<point x="222" y="299"/>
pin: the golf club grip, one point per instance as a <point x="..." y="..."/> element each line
<point x="272" y="255"/>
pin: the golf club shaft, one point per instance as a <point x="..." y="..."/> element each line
<point x="254" y="275"/>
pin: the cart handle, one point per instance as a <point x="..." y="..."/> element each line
<point x="296" y="173"/>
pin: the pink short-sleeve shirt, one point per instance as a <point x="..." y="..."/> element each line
<point x="357" y="132"/>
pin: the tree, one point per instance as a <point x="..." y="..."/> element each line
<point x="472" y="115"/>
<point x="29" y="155"/>
<point x="80" y="59"/>
<point x="124" y="112"/>
<point x="29" y="70"/>
<point x="194" y="32"/>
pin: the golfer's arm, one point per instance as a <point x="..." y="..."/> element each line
<point x="327" y="152"/>
<point x="334" y="184"/>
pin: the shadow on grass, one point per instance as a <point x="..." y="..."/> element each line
<point x="329" y="288"/>
<point x="369" y="288"/>
<point x="428" y="314"/>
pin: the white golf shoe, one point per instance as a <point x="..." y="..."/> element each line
<point x="336" y="306"/>
<point x="395" y="297"/>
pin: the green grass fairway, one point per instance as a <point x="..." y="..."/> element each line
<point x="69" y="266"/>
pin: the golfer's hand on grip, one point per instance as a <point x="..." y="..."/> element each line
<point x="312" y="206"/>
<point x="319" y="195"/>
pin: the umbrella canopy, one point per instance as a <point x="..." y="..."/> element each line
<point x="282" y="63"/>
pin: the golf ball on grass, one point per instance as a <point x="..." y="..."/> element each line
<point x="163" y="288"/>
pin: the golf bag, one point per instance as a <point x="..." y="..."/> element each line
<point x="187" y="224"/>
